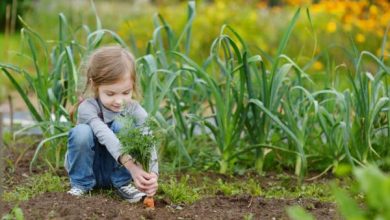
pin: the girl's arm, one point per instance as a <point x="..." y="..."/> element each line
<point x="88" y="114"/>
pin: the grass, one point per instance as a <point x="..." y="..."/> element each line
<point x="36" y="185"/>
<point x="186" y="189"/>
<point x="191" y="187"/>
<point x="179" y="191"/>
<point x="319" y="191"/>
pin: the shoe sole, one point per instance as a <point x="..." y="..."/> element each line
<point x="134" y="200"/>
<point x="77" y="195"/>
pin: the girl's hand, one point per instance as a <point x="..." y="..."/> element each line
<point x="145" y="182"/>
<point x="142" y="180"/>
<point x="152" y="188"/>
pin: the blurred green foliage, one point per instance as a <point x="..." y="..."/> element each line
<point x="9" y="10"/>
<point x="370" y="200"/>
<point x="324" y="34"/>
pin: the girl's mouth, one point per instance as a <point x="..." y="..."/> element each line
<point x="116" y="107"/>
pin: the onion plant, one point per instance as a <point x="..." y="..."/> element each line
<point x="225" y="101"/>
<point x="370" y="102"/>
<point x="165" y="85"/>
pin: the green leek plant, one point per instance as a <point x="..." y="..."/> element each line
<point x="163" y="81"/>
<point x="369" y="101"/>
<point x="269" y="102"/>
<point x="335" y="138"/>
<point x="268" y="87"/>
<point x="226" y="98"/>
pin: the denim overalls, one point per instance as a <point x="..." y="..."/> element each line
<point x="89" y="164"/>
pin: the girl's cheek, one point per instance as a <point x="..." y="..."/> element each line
<point x="128" y="98"/>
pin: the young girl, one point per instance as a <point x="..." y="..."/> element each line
<point x="93" y="158"/>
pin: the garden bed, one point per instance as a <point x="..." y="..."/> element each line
<point x="62" y="206"/>
<point x="107" y="205"/>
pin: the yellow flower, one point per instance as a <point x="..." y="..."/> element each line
<point x="318" y="65"/>
<point x="360" y="38"/>
<point x="261" y="4"/>
<point x="373" y="10"/>
<point x="385" y="19"/>
<point x="331" y="27"/>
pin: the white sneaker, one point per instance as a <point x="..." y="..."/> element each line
<point x="130" y="193"/>
<point x="74" y="191"/>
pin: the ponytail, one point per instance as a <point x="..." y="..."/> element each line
<point x="74" y="108"/>
<point x="80" y="98"/>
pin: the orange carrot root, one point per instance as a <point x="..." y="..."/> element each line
<point x="149" y="202"/>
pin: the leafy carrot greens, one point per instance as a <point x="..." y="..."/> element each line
<point x="137" y="141"/>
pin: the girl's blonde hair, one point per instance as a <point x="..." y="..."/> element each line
<point x="108" y="65"/>
<point x="105" y="66"/>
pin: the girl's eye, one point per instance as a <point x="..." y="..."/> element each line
<point x="127" y="92"/>
<point x="110" y="94"/>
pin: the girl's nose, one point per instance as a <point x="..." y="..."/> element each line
<point x="118" y="101"/>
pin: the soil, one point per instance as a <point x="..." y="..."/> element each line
<point x="62" y="206"/>
<point x="59" y="205"/>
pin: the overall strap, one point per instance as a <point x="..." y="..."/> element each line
<point x="100" y="113"/>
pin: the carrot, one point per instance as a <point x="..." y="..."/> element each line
<point x="149" y="202"/>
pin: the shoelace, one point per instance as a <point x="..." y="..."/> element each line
<point x="129" y="189"/>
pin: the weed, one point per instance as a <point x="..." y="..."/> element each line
<point x="228" y="189"/>
<point x="253" y="188"/>
<point x="320" y="191"/>
<point x="248" y="216"/>
<point x="15" y="214"/>
<point x="179" y="191"/>
<point x="34" y="186"/>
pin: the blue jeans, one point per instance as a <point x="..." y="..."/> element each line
<point x="89" y="164"/>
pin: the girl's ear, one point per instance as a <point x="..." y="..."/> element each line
<point x="92" y="83"/>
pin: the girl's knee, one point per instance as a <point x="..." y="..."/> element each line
<point x="81" y="135"/>
<point x="116" y="126"/>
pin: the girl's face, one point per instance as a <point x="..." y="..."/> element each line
<point x="115" y="96"/>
